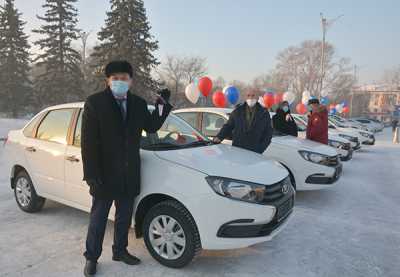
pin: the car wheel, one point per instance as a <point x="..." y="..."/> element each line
<point x="25" y="194"/>
<point x="171" y="235"/>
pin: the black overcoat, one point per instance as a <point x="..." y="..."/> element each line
<point x="280" y="123"/>
<point x="110" y="145"/>
<point x="254" y="137"/>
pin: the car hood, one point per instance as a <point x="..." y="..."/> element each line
<point x="304" y="144"/>
<point x="227" y="161"/>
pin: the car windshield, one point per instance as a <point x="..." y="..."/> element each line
<point x="174" y="134"/>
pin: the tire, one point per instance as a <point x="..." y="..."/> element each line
<point x="25" y="194"/>
<point x="184" y="236"/>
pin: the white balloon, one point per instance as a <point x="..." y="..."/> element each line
<point x="261" y="101"/>
<point x="306" y="97"/>
<point x="225" y="88"/>
<point x="192" y="93"/>
<point x="339" y="108"/>
<point x="289" y="96"/>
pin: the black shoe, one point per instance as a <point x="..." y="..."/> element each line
<point x="126" y="258"/>
<point x="90" y="268"/>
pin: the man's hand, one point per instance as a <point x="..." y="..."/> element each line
<point x="216" y="140"/>
<point x="94" y="183"/>
<point x="164" y="95"/>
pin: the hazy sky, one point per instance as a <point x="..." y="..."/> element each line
<point x="241" y="38"/>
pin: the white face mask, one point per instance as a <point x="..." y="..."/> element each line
<point x="251" y="102"/>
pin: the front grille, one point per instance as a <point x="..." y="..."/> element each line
<point x="275" y="192"/>
<point x="354" y="139"/>
<point x="331" y="161"/>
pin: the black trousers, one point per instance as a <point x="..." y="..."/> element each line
<point x="98" y="223"/>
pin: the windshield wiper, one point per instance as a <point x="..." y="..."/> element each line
<point x="160" y="145"/>
<point x="198" y="143"/>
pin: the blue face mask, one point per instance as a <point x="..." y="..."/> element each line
<point x="309" y="108"/>
<point x="285" y="109"/>
<point x="119" y="88"/>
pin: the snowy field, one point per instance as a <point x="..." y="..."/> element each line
<point x="352" y="229"/>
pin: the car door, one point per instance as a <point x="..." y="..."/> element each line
<point x="76" y="190"/>
<point x="212" y="123"/>
<point x="45" y="151"/>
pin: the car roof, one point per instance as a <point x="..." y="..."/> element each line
<point x="206" y="109"/>
<point x="76" y="105"/>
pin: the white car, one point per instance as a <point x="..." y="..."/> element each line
<point x="369" y="123"/>
<point x="342" y="145"/>
<point x="365" y="137"/>
<point x="311" y="165"/>
<point x="353" y="137"/>
<point x="212" y="196"/>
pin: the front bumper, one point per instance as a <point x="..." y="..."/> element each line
<point x="244" y="228"/>
<point x="370" y="141"/>
<point x="348" y="157"/>
<point x="322" y="179"/>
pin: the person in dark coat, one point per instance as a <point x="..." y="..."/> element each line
<point x="283" y="121"/>
<point x="317" y="127"/>
<point x="112" y="125"/>
<point x="249" y="125"/>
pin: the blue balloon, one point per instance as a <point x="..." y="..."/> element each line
<point x="324" y="101"/>
<point x="344" y="103"/>
<point x="332" y="111"/>
<point x="232" y="94"/>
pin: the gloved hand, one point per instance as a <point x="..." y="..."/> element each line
<point x="163" y="95"/>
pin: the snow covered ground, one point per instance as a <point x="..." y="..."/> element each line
<point x="352" y="229"/>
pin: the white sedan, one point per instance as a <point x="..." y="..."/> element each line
<point x="211" y="196"/>
<point x="311" y="165"/>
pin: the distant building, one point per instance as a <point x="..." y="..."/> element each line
<point x="375" y="101"/>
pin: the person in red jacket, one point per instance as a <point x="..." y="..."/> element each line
<point x="317" y="127"/>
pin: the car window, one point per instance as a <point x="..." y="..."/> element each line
<point x="189" y="117"/>
<point x="212" y="123"/>
<point x="28" y="130"/>
<point x="54" y="126"/>
<point x="77" y="134"/>
<point x="174" y="134"/>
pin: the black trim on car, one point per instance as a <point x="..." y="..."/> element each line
<point x="321" y="179"/>
<point x="239" y="228"/>
<point x="348" y="157"/>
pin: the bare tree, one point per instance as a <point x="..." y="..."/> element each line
<point x="177" y="72"/>
<point x="299" y="67"/>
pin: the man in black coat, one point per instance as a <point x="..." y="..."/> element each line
<point x="283" y="121"/>
<point x="249" y="125"/>
<point x="112" y="125"/>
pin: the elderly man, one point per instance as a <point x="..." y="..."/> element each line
<point x="112" y="125"/>
<point x="249" y="125"/>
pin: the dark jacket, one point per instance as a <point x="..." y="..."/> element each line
<point x="288" y="127"/>
<point x="317" y="127"/>
<point x="110" y="145"/>
<point x="255" y="137"/>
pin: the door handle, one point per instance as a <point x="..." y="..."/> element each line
<point x="30" y="149"/>
<point x="72" y="159"/>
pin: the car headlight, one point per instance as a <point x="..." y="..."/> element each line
<point x="239" y="190"/>
<point x="335" y="143"/>
<point x="350" y="138"/>
<point x="313" y="157"/>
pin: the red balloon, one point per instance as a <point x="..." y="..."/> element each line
<point x="346" y="109"/>
<point x="205" y="86"/>
<point x="218" y="99"/>
<point x="301" y="108"/>
<point x="268" y="100"/>
<point x="278" y="98"/>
